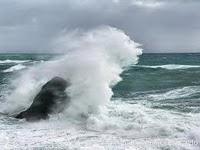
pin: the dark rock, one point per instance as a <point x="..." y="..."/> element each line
<point x="51" y="99"/>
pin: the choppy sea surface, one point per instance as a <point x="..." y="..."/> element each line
<point x="155" y="107"/>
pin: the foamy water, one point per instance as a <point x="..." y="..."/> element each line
<point x="13" y="61"/>
<point x="15" y="68"/>
<point x="118" y="125"/>
<point x="171" y="66"/>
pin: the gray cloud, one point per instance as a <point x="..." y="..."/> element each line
<point x="160" y="25"/>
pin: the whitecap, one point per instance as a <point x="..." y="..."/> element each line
<point x="15" y="68"/>
<point x="170" y="66"/>
<point x="13" y="61"/>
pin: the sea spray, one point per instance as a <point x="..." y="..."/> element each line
<point x="92" y="63"/>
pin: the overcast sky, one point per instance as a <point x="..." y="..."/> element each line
<point x="159" y="25"/>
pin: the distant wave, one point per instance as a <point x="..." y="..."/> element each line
<point x="170" y="66"/>
<point x="183" y="92"/>
<point x="15" y="68"/>
<point x="13" y="61"/>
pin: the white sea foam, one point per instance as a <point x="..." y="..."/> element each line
<point x="183" y="92"/>
<point x="170" y="66"/>
<point x="13" y="61"/>
<point x="15" y="68"/>
<point x="92" y="64"/>
<point x="118" y="125"/>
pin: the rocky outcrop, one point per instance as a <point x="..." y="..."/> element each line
<point x="51" y="99"/>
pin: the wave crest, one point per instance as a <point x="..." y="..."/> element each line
<point x="15" y="68"/>
<point x="13" y="61"/>
<point x="170" y="66"/>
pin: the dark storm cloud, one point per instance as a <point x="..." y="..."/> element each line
<point x="160" y="25"/>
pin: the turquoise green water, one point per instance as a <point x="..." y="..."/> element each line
<point x="167" y="81"/>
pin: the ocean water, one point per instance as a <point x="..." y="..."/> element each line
<point x="156" y="106"/>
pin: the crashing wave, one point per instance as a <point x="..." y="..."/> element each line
<point x="92" y="63"/>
